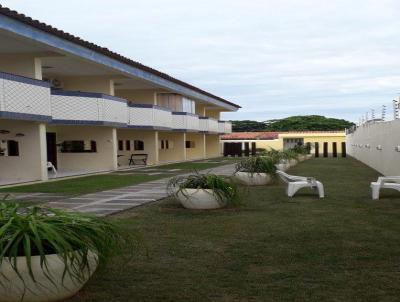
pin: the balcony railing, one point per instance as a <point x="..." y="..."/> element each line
<point x="75" y="107"/>
<point x="185" y="121"/>
<point x="31" y="99"/>
<point x="149" y="116"/>
<point x="209" y="125"/>
<point x="224" y="127"/>
<point x="24" y="98"/>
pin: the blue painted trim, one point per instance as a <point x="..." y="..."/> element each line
<point x="87" y="95"/>
<point x="25" y="116"/>
<point x="203" y="117"/>
<point x="148" y="106"/>
<point x="149" y="128"/>
<point x="32" y="33"/>
<point x="183" y="113"/>
<point x="25" y="80"/>
<point x="84" y="122"/>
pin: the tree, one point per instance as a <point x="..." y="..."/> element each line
<point x="294" y="123"/>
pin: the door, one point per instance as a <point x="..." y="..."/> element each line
<point x="51" y="140"/>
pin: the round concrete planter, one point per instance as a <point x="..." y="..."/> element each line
<point x="301" y="157"/>
<point x="253" y="179"/>
<point x="309" y="156"/>
<point x="199" y="199"/>
<point x="292" y="162"/>
<point x="282" y="167"/>
<point x="14" y="289"/>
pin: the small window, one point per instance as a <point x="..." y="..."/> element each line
<point x="166" y="144"/>
<point x="127" y="145"/>
<point x="121" y="145"/>
<point x="190" y="144"/>
<point x="78" y="146"/>
<point x="9" y="148"/>
<point x="138" y="145"/>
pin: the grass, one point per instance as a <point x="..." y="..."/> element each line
<point x="95" y="183"/>
<point x="345" y="247"/>
<point x="84" y="185"/>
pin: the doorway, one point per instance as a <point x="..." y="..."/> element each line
<point x="51" y="139"/>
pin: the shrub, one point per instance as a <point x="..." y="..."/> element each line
<point x="222" y="189"/>
<point x="257" y="164"/>
<point x="37" y="231"/>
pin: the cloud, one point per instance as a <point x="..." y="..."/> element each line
<point x="273" y="57"/>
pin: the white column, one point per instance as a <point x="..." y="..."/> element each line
<point x="43" y="152"/>
<point x="204" y="146"/>
<point x="114" y="142"/>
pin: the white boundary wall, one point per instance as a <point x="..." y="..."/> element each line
<point x="377" y="145"/>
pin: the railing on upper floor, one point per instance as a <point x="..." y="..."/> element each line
<point x="24" y="98"/>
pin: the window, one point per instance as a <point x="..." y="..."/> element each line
<point x="121" y="145"/>
<point x="165" y="144"/>
<point x="78" y="147"/>
<point x="176" y="102"/>
<point x="9" y="148"/>
<point x="138" y="145"/>
<point x="190" y="144"/>
<point x="127" y="145"/>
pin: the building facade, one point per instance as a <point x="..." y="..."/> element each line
<point x="331" y="140"/>
<point x="86" y="109"/>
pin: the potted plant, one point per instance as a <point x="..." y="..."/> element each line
<point x="255" y="171"/>
<point x="202" y="191"/>
<point x="301" y="152"/>
<point x="47" y="254"/>
<point x="291" y="157"/>
<point x="279" y="159"/>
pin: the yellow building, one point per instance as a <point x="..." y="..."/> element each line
<point x="70" y="107"/>
<point x="318" y="140"/>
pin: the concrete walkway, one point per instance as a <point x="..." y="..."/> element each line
<point x="113" y="201"/>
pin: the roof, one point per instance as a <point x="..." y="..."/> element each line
<point x="271" y="135"/>
<point x="105" y="51"/>
<point x="251" y="135"/>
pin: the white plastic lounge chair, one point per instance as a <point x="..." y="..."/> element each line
<point x="385" y="182"/>
<point x="295" y="183"/>
<point x="51" y="167"/>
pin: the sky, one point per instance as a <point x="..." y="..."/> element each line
<point x="275" y="58"/>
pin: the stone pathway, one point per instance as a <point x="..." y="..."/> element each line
<point x="113" y="201"/>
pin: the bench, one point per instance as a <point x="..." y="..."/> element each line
<point x="138" y="158"/>
<point x="385" y="182"/>
<point x="295" y="183"/>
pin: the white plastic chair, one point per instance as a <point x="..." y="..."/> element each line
<point x="385" y="182"/>
<point x="295" y="183"/>
<point x="52" y="168"/>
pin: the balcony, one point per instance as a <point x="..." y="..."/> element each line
<point x="147" y="116"/>
<point x="208" y="125"/>
<point x="75" y="107"/>
<point x="224" y="127"/>
<point x="24" y="98"/>
<point x="184" y="121"/>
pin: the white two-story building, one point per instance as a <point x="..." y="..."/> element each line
<point x="86" y="109"/>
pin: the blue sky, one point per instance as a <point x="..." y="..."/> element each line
<point x="274" y="58"/>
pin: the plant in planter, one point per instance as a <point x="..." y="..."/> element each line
<point x="279" y="159"/>
<point x="290" y="156"/>
<point x="48" y="254"/>
<point x="255" y="171"/>
<point x="301" y="152"/>
<point x="203" y="191"/>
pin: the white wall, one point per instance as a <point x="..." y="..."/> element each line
<point x="30" y="165"/>
<point x="363" y="143"/>
<point x="105" y="159"/>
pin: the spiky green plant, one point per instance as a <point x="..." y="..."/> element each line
<point x="37" y="231"/>
<point x="301" y="149"/>
<point x="289" y="154"/>
<point x="224" y="190"/>
<point x="275" y="155"/>
<point x="256" y="164"/>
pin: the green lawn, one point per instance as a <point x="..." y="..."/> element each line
<point x="342" y="248"/>
<point x="95" y="183"/>
<point x="83" y="185"/>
